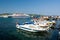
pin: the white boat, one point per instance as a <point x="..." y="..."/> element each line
<point x="5" y="16"/>
<point x="34" y="27"/>
<point x="20" y="16"/>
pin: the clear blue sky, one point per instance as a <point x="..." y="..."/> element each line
<point x="46" y="7"/>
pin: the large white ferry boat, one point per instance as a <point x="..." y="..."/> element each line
<point x="20" y="15"/>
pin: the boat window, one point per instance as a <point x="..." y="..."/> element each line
<point x="28" y="23"/>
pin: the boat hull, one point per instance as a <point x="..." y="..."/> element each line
<point x="30" y="29"/>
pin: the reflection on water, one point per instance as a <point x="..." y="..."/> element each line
<point x="37" y="35"/>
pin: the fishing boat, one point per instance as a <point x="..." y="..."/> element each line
<point x="35" y="27"/>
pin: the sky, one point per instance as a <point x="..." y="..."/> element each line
<point x="44" y="7"/>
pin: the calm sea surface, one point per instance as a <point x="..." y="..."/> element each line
<point x="8" y="31"/>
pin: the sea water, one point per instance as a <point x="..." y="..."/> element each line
<point x="8" y="31"/>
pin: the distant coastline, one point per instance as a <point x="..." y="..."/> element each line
<point x="6" y="14"/>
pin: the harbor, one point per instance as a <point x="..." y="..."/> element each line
<point x="9" y="31"/>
